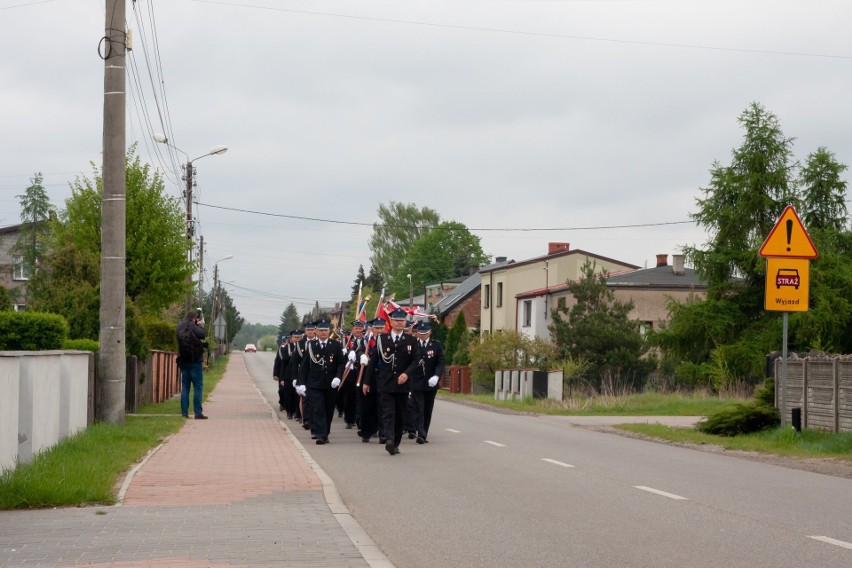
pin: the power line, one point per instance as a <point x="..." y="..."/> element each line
<point x="525" y="33"/>
<point x="496" y="229"/>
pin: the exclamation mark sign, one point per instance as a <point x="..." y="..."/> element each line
<point x="789" y="232"/>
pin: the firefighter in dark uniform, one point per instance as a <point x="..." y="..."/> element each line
<point x="295" y="362"/>
<point x="282" y="358"/>
<point x="319" y="375"/>
<point x="343" y="338"/>
<point x="353" y="348"/>
<point x="398" y="354"/>
<point x="369" y="412"/>
<point x="291" y="397"/>
<point x="425" y="379"/>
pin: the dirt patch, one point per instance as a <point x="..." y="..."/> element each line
<point x="825" y="466"/>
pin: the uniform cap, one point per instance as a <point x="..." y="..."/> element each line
<point x="297" y="332"/>
<point x="422" y="327"/>
<point x="311" y="325"/>
<point x="398" y="314"/>
<point x="378" y="322"/>
<point x="358" y="323"/>
<point x="322" y="324"/>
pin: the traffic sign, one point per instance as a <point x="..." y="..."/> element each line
<point x="788" y="238"/>
<point x="787" y="282"/>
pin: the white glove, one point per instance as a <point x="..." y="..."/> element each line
<point x="351" y="356"/>
<point x="433" y="381"/>
<point x="295" y="384"/>
<point x="302" y="390"/>
<point x="364" y="359"/>
<point x="335" y="382"/>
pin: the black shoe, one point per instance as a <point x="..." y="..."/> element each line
<point x="306" y="426"/>
<point x="411" y="435"/>
<point x="391" y="449"/>
<point x="360" y="434"/>
<point x="200" y="417"/>
<point x="322" y="441"/>
<point x="349" y="426"/>
<point x="289" y="416"/>
<point x="340" y="415"/>
<point x="382" y="439"/>
<point x="313" y="436"/>
<point x="280" y="408"/>
<point x="185" y="415"/>
<point x="421" y="440"/>
<point x="366" y="440"/>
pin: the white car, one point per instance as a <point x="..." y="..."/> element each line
<point x="250" y="348"/>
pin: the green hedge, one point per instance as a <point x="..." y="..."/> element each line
<point x="81" y="345"/>
<point x="31" y="331"/>
<point x="161" y="335"/>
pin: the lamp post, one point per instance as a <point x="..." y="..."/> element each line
<point x="188" y="173"/>
<point x="410" y="292"/>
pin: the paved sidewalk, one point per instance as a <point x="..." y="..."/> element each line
<point x="235" y="490"/>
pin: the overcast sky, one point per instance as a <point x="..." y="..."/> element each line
<point x="499" y="114"/>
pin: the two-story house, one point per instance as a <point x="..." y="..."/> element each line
<point x="14" y="274"/>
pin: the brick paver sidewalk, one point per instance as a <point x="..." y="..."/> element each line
<point x="234" y="490"/>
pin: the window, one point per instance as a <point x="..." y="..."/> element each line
<point x="22" y="270"/>
<point x="527" y="313"/>
<point x="645" y="327"/>
<point x="20" y="307"/>
<point x="486" y="295"/>
<point x="560" y="303"/>
<point x="499" y="294"/>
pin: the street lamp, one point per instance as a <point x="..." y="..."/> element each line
<point x="410" y="292"/>
<point x="216" y="299"/>
<point x="188" y="175"/>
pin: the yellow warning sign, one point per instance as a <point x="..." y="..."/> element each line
<point x="788" y="238"/>
<point x="787" y="282"/>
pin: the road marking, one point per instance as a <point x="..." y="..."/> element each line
<point x="663" y="493"/>
<point x="453" y="431"/>
<point x="495" y="444"/>
<point x="554" y="462"/>
<point x="832" y="541"/>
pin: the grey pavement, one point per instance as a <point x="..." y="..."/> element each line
<point x="235" y="490"/>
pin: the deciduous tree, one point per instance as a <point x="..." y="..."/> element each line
<point x="398" y="227"/>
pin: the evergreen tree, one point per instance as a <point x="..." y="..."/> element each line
<point x="359" y="283"/>
<point x="36" y="212"/>
<point x="374" y="280"/>
<point x="454" y="336"/>
<point x="289" y="320"/>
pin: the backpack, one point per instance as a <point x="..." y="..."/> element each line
<point x="190" y="346"/>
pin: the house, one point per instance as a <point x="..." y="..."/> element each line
<point x="433" y="293"/>
<point x="649" y="289"/>
<point x="508" y="291"/>
<point x="465" y="298"/>
<point x="13" y="273"/>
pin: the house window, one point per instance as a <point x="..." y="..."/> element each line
<point x="486" y="296"/>
<point x="499" y="294"/>
<point x="560" y="303"/>
<point x="527" y="313"/>
<point x="645" y="327"/>
<point x="22" y="270"/>
<point x="20" y="307"/>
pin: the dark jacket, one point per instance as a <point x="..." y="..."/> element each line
<point x="296" y="358"/>
<point x="431" y="363"/>
<point x="191" y="351"/>
<point x="320" y="365"/>
<point x="389" y="361"/>
<point x="282" y="361"/>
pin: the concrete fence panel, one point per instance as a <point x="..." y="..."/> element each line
<point x="9" y="395"/>
<point x="38" y="418"/>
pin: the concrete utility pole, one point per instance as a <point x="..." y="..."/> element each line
<point x="188" y="172"/>
<point x="201" y="267"/>
<point x="112" y="367"/>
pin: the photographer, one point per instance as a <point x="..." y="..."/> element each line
<point x="190" y="338"/>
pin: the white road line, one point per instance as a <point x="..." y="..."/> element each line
<point x="453" y="431"/>
<point x="554" y="462"/>
<point x="832" y="541"/>
<point x="495" y="444"/>
<point x="663" y="493"/>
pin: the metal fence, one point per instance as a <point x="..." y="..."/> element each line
<point x="821" y="387"/>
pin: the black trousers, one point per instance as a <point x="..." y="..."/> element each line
<point x="346" y="399"/>
<point x="393" y="414"/>
<point x="424" y="402"/>
<point x="291" y="399"/>
<point x="322" y="408"/>
<point x="369" y="408"/>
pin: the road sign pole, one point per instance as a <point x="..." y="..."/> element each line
<point x="784" y="374"/>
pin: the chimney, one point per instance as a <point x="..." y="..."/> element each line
<point x="662" y="260"/>
<point x="557" y="247"/>
<point x="500" y="259"/>
<point x="677" y="264"/>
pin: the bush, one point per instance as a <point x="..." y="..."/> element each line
<point x="81" y="345"/>
<point x="31" y="331"/>
<point x="765" y="395"/>
<point x="741" y="419"/>
<point x="161" y="334"/>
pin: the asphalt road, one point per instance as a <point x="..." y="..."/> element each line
<point x="495" y="489"/>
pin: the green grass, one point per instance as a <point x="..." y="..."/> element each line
<point x="83" y="469"/>
<point x="644" y="404"/>
<point x="778" y="441"/>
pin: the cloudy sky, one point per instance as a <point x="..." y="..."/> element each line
<point x="510" y="116"/>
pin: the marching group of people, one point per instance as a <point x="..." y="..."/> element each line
<point x="382" y="383"/>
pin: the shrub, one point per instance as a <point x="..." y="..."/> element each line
<point x="765" y="394"/>
<point x="31" y="331"/>
<point x="81" y="345"/>
<point x="741" y="419"/>
<point x="161" y="334"/>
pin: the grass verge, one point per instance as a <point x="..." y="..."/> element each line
<point x="778" y="441"/>
<point x="83" y="469"/>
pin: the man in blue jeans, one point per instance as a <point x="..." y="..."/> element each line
<point x="190" y="338"/>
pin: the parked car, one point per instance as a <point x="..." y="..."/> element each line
<point x="250" y="348"/>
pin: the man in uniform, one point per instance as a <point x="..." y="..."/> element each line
<point x="319" y="376"/>
<point x="295" y="363"/>
<point x="370" y="414"/>
<point x="282" y="358"/>
<point x="395" y="357"/>
<point x="425" y="379"/>
<point x="353" y="348"/>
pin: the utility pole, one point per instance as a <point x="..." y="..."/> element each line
<point x="201" y="267"/>
<point x="214" y="312"/>
<point x="112" y="366"/>
<point x="188" y="175"/>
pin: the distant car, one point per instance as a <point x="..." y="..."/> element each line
<point x="250" y="348"/>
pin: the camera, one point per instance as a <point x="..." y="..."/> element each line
<point x="198" y="314"/>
